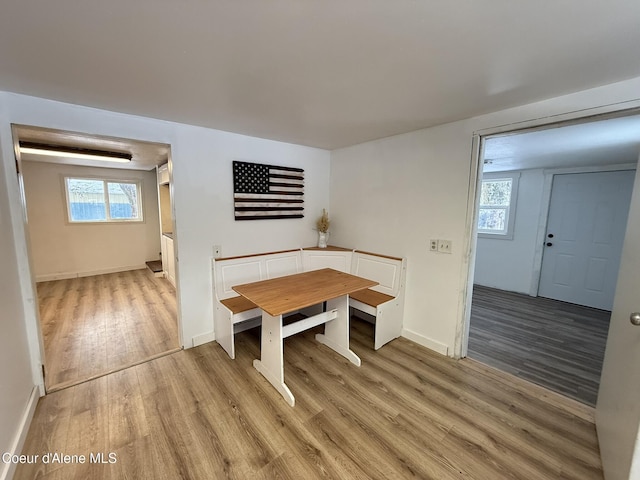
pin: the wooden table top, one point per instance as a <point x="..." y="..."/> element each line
<point x="281" y="295"/>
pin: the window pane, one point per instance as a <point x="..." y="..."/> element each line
<point x="496" y="192"/>
<point x="123" y="201"/>
<point x="492" y="219"/>
<point x="86" y="200"/>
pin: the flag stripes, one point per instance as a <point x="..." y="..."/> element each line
<point x="265" y="191"/>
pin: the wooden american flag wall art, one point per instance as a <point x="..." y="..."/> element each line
<point x="262" y="192"/>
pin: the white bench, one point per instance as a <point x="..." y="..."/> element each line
<point x="384" y="303"/>
<point x="234" y="313"/>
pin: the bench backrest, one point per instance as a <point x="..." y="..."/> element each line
<point x="315" y="259"/>
<point x="389" y="272"/>
<point x="232" y="271"/>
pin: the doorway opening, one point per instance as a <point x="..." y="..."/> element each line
<point x="517" y="323"/>
<point x="93" y="228"/>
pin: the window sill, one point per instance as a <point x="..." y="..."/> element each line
<point x="496" y="236"/>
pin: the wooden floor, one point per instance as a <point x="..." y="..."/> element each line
<point x="405" y="413"/>
<point x="95" y="325"/>
<point x="554" y="344"/>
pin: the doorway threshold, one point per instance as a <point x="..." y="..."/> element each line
<point x="73" y="383"/>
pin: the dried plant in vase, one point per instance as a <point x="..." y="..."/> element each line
<point x="322" y="225"/>
<point x="323" y="222"/>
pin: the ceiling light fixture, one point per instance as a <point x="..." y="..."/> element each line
<point x="35" y="148"/>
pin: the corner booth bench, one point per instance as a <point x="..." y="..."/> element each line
<point x="382" y="305"/>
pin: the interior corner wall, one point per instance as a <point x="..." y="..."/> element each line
<point x="63" y="250"/>
<point x="508" y="264"/>
<point x="202" y="191"/>
<point x="395" y="194"/>
<point x="16" y="379"/>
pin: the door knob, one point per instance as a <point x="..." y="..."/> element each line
<point x="635" y="318"/>
<point x="548" y="244"/>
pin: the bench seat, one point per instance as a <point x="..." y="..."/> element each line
<point x="384" y="303"/>
<point x="371" y="297"/>
<point x="238" y="304"/>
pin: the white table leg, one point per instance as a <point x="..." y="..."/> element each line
<point x="336" y="332"/>
<point x="271" y="363"/>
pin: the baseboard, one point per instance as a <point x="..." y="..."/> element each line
<point x="89" y="273"/>
<point x="441" y="348"/>
<point x="8" y="469"/>
<point x="203" y="338"/>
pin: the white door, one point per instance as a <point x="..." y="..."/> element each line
<point x="618" y="408"/>
<point x="585" y="230"/>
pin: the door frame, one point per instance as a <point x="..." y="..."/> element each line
<point x="39" y="370"/>
<point x="475" y="182"/>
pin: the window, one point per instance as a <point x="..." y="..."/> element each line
<point x="497" y="206"/>
<point x="99" y="200"/>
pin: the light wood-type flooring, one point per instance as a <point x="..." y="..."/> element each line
<point x="406" y="412"/>
<point x="99" y="324"/>
<point x="554" y="344"/>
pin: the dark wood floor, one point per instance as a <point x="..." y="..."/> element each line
<point x="407" y="412"/>
<point x="95" y="325"/>
<point x="554" y="344"/>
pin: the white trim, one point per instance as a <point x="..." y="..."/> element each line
<point x="469" y="241"/>
<point x="18" y="224"/>
<point x="612" y="110"/>
<point x="202" y="339"/>
<point x="8" y="469"/>
<point x="590" y="169"/>
<point x="176" y="251"/>
<point x="541" y="234"/>
<point x="438" y="347"/>
<point x="88" y="273"/>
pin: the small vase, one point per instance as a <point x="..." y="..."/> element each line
<point x="322" y="239"/>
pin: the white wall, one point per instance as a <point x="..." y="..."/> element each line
<point x="203" y="192"/>
<point x="393" y="195"/>
<point x="509" y="264"/>
<point x="16" y="381"/>
<point x="204" y="209"/>
<point x="63" y="250"/>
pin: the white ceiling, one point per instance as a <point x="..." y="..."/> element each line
<point x="322" y="73"/>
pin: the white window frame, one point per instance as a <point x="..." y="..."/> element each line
<point x="105" y="181"/>
<point x="510" y="215"/>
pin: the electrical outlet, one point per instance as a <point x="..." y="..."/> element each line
<point x="217" y="251"/>
<point x="444" y="246"/>
<point x="433" y="245"/>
